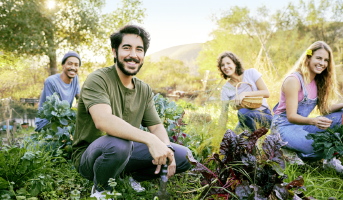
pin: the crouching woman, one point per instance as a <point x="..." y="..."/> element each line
<point x="231" y="68"/>
<point x="312" y="83"/>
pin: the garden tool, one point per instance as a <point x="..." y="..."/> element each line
<point x="162" y="193"/>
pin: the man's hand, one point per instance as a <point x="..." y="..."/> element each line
<point x="159" y="151"/>
<point x="171" y="168"/>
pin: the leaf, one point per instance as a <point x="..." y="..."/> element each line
<point x="35" y="188"/>
<point x="277" y="168"/>
<point x="297" y="183"/>
<point x="54" y="113"/>
<point x="228" y="145"/>
<point x="254" y="137"/>
<point x="64" y="121"/>
<point x="200" y="168"/>
<point x="249" y="159"/>
<point x="272" y="148"/>
<point x="258" y="192"/>
<point x="22" y="191"/>
<point x="3" y="184"/>
<point x="29" y="155"/>
<point x="281" y="192"/>
<point x="243" y="191"/>
<point x="54" y="126"/>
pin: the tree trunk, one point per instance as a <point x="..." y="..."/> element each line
<point x="52" y="52"/>
<point x="53" y="64"/>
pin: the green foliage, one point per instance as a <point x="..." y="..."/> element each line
<point x="186" y="105"/>
<point x="23" y="171"/>
<point x="171" y="116"/>
<point x="319" y="183"/>
<point x="127" y="11"/>
<point x="30" y="27"/>
<point x="23" y="79"/>
<point x="330" y="142"/>
<point x="167" y="73"/>
<point x="58" y="133"/>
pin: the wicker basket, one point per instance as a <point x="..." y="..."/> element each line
<point x="250" y="102"/>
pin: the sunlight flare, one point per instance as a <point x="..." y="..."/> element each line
<point x="51" y="4"/>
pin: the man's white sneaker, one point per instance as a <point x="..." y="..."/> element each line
<point x="136" y="185"/>
<point x="333" y="164"/>
<point x="98" y="195"/>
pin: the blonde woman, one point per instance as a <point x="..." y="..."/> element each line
<point x="312" y="83"/>
<point x="231" y="68"/>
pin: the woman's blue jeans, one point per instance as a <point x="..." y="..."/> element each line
<point x="253" y="119"/>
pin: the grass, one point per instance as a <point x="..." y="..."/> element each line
<point x="319" y="183"/>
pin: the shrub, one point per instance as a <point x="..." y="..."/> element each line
<point x="171" y="116"/>
<point x="58" y="133"/>
<point x="23" y="171"/>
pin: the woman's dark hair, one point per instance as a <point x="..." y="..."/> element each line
<point x="117" y="37"/>
<point x="239" y="66"/>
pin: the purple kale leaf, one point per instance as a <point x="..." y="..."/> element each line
<point x="228" y="146"/>
<point x="254" y="137"/>
<point x="281" y="191"/>
<point x="272" y="148"/>
<point x="243" y="191"/>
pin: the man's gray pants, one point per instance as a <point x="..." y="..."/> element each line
<point x="108" y="156"/>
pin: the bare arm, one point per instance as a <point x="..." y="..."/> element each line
<point x="291" y="89"/>
<point x="262" y="90"/>
<point x="160" y="132"/>
<point x="336" y="107"/>
<point x="115" y="126"/>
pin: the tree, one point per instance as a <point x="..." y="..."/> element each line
<point x="128" y="12"/>
<point x="30" y="27"/>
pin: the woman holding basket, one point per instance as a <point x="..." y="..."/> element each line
<point x="243" y="84"/>
<point x="312" y="83"/>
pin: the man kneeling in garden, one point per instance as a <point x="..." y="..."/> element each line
<point x="112" y="106"/>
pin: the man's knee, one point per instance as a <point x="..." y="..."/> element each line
<point x="182" y="163"/>
<point x="116" y="148"/>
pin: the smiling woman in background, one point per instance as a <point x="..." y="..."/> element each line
<point x="312" y="83"/>
<point x="231" y="68"/>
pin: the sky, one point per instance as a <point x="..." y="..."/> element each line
<point x="177" y="22"/>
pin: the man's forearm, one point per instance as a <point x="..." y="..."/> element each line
<point x="117" y="127"/>
<point x="160" y="132"/>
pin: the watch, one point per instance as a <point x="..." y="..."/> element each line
<point x="171" y="147"/>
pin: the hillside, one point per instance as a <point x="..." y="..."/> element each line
<point x="186" y="53"/>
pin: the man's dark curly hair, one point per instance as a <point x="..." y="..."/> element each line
<point x="117" y="37"/>
<point x="239" y="65"/>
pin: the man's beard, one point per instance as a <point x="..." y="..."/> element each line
<point x="122" y="68"/>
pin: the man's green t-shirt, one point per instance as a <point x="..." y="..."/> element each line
<point x="135" y="106"/>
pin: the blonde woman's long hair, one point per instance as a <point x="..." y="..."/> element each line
<point x="326" y="82"/>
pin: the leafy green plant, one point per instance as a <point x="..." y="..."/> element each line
<point x="330" y="142"/>
<point x="58" y="133"/>
<point x="171" y="116"/>
<point x="22" y="170"/>
<point x="243" y="172"/>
